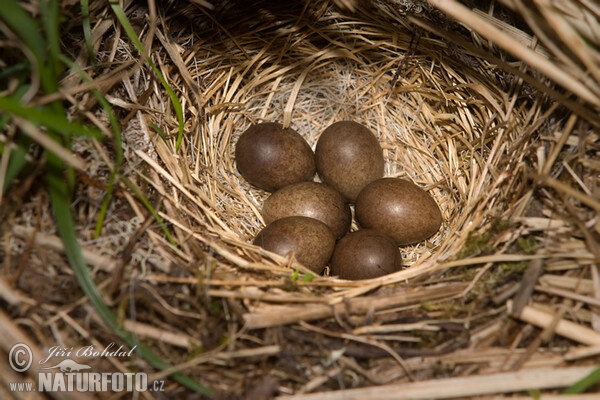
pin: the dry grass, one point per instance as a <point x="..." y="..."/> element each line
<point x="508" y="145"/>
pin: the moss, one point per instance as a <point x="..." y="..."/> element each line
<point x="215" y="308"/>
<point x="479" y="243"/>
<point x="195" y="351"/>
<point x="290" y="285"/>
<point x="528" y="244"/>
<point x="514" y="267"/>
<point x="448" y="308"/>
<point x="476" y="244"/>
<point x="428" y="339"/>
<point x="224" y="339"/>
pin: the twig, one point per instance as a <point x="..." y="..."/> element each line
<point x="152" y="332"/>
<point x="568" y="329"/>
<point x="54" y="243"/>
<point x="527" y="284"/>
<point x="541" y="378"/>
<point x="289" y="315"/>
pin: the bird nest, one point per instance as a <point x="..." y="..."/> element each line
<point x="495" y="115"/>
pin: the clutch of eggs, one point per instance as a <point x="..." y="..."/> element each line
<point x="305" y="218"/>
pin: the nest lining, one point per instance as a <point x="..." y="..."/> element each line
<point x="437" y="128"/>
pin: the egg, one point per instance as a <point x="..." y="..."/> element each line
<point x="398" y="208"/>
<point x="309" y="240"/>
<point x="270" y="157"/>
<point x="348" y="157"/>
<point x="310" y="199"/>
<point x="365" y="254"/>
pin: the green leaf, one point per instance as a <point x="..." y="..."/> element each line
<point x="59" y="178"/>
<point x="51" y="19"/>
<point x="307" y="278"/>
<point x="160" y="132"/>
<point x="174" y="101"/>
<point x="17" y="160"/>
<point x="59" y="197"/>
<point x="149" y="207"/>
<point x="295" y="275"/>
<point x="48" y="118"/>
<point x="14" y="70"/>
<point x="118" y="144"/>
<point x="27" y="30"/>
<point x="24" y="26"/>
<point x="16" y="164"/>
<point x="584" y="384"/>
<point x="120" y="14"/>
<point x="4" y="119"/>
<point x="87" y="30"/>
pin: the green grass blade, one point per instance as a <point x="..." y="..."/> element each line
<point x="17" y="160"/>
<point x="105" y="203"/>
<point x="24" y="26"/>
<point x="28" y="31"/>
<point x="175" y="102"/>
<point x="87" y="30"/>
<point x="124" y="21"/>
<point x="118" y="145"/>
<point x="59" y="197"/>
<point x="584" y="384"/>
<point x="53" y="119"/>
<point x="16" y="164"/>
<point x="51" y="20"/>
<point x="15" y="70"/>
<point x="48" y="118"/>
<point x="149" y="207"/>
<point x="120" y="14"/>
<point x="159" y="131"/>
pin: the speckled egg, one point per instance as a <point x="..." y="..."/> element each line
<point x="398" y="208"/>
<point x="310" y="199"/>
<point x="348" y="157"/>
<point x="270" y="157"/>
<point x="310" y="240"/>
<point x="365" y="254"/>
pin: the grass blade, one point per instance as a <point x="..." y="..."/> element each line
<point x="59" y="196"/>
<point x="27" y="30"/>
<point x="87" y="30"/>
<point x="16" y="163"/>
<point x="48" y="118"/>
<point x="118" y="147"/>
<point x="585" y="383"/>
<point x="23" y="25"/>
<point x="16" y="156"/>
<point x="50" y="18"/>
<point x="149" y="207"/>
<point x="58" y="130"/>
<point x="120" y="14"/>
<point x="118" y="144"/>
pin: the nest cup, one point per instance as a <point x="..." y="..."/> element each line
<point x="438" y="122"/>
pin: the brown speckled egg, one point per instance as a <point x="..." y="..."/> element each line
<point x="365" y="254"/>
<point x="310" y="199"/>
<point x="398" y="208"/>
<point x="310" y="240"/>
<point x="271" y="157"/>
<point x="348" y="157"/>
